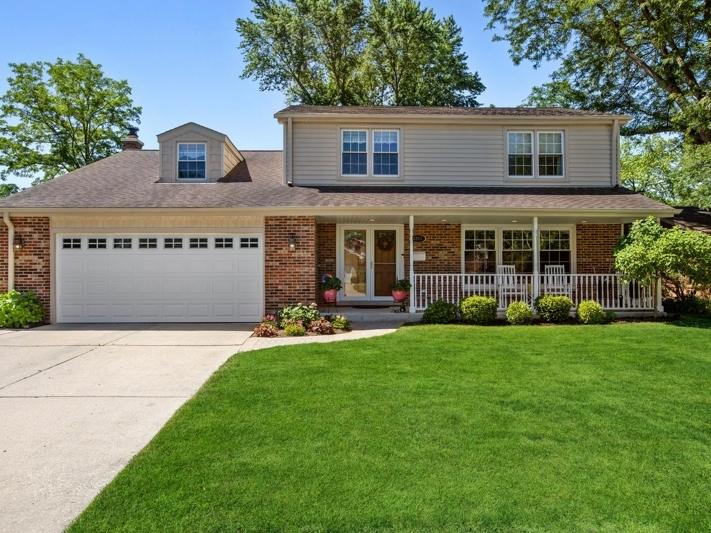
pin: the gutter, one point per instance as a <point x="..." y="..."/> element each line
<point x="10" y="251"/>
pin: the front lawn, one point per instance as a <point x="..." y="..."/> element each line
<point x="437" y="428"/>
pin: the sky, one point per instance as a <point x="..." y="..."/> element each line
<point x="182" y="62"/>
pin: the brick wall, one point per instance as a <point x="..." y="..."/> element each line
<point x="442" y="246"/>
<point x="32" y="263"/>
<point x="325" y="253"/>
<point x="290" y="277"/>
<point x="595" y="243"/>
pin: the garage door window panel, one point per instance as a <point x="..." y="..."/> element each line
<point x="172" y="243"/>
<point x="148" y="243"/>
<point x="96" y="244"/>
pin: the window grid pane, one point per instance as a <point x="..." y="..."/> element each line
<point x="555" y="249"/>
<point x="172" y="242"/>
<point x="198" y="242"/>
<point x="71" y="244"/>
<point x="123" y="242"/>
<point x="96" y="244"/>
<point x="354" y="159"/>
<point x="249" y="242"/>
<point x="385" y="153"/>
<point x="191" y="161"/>
<point x="224" y="242"/>
<point x="517" y="250"/>
<point x="480" y="251"/>
<point x="550" y="154"/>
<point x="148" y="243"/>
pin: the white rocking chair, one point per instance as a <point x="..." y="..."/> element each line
<point x="555" y="281"/>
<point x="510" y="290"/>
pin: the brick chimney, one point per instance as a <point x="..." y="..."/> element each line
<point x="131" y="142"/>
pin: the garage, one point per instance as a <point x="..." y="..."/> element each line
<point x="159" y="278"/>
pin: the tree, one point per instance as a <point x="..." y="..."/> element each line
<point x="6" y="189"/>
<point x="648" y="58"/>
<point x="650" y="252"/>
<point x="57" y="117"/>
<point x="649" y="164"/>
<point x="342" y="52"/>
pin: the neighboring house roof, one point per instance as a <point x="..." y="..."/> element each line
<point x="301" y="110"/>
<point x="129" y="180"/>
<point x="690" y="218"/>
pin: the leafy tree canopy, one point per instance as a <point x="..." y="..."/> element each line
<point x="344" y="52"/>
<point x="57" y="117"/>
<point x="6" y="189"/>
<point x="650" y="58"/>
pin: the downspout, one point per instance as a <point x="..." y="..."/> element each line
<point x="289" y="152"/>
<point x="10" y="252"/>
<point x="615" y="153"/>
<point x="536" y="259"/>
<point x="413" y="288"/>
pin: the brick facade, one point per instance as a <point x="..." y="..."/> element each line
<point x="595" y="243"/>
<point x="325" y="253"/>
<point x="442" y="247"/>
<point x="290" y="277"/>
<point x="32" y="263"/>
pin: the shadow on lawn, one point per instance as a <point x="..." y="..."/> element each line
<point x="691" y="321"/>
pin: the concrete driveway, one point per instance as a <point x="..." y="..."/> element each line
<point x="78" y="401"/>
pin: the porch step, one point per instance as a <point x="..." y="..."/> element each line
<point x="381" y="314"/>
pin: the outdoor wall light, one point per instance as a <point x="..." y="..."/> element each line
<point x="18" y="243"/>
<point x="292" y="242"/>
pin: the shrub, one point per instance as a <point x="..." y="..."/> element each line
<point x="266" y="330"/>
<point x="554" y="308"/>
<point x="299" y="312"/>
<point x="19" y="309"/>
<point x="692" y="305"/>
<point x="321" y="326"/>
<point x="440" y="312"/>
<point x="519" y="314"/>
<point x="294" y="330"/>
<point x="591" y="312"/>
<point x="478" y="309"/>
<point x="340" y="322"/>
<point x="270" y="319"/>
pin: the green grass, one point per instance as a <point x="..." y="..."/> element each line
<point x="438" y="428"/>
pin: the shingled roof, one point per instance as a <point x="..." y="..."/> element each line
<point x="130" y="180"/>
<point x="297" y="110"/>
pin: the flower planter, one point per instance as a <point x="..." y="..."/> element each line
<point x="330" y="296"/>
<point x="399" y="296"/>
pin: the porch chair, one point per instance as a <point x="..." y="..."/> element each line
<point x="555" y="281"/>
<point x="510" y="289"/>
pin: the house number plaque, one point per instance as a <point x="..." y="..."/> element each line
<point x="418" y="238"/>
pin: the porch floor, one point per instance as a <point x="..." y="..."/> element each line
<point x="370" y="313"/>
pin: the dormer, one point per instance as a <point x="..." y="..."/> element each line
<point x="195" y="154"/>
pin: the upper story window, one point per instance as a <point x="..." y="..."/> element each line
<point x="192" y="161"/>
<point x="370" y="153"/>
<point x="355" y="153"/>
<point x="535" y="154"/>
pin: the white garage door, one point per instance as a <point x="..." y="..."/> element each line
<point x="142" y="278"/>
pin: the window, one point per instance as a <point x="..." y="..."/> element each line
<point x="148" y="243"/>
<point x="385" y="153"/>
<point x="122" y="242"/>
<point x="480" y="251"/>
<point x="485" y="248"/>
<point x="546" y="152"/>
<point x="517" y="249"/>
<point x="224" y="242"/>
<point x="191" y="161"/>
<point x="354" y="158"/>
<point x="96" y="244"/>
<point x="249" y="242"/>
<point x="172" y="242"/>
<point x="198" y="242"/>
<point x="71" y="244"/>
<point x="555" y="248"/>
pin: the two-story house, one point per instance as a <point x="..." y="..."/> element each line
<point x="508" y="202"/>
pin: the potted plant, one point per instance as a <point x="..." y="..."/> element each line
<point x="330" y="285"/>
<point x="399" y="289"/>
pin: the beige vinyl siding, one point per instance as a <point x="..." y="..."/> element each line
<point x="453" y="155"/>
<point x="231" y="159"/>
<point x="152" y="223"/>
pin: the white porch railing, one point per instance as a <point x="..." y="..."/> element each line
<point x="606" y="289"/>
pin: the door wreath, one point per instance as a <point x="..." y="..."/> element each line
<point x="386" y="242"/>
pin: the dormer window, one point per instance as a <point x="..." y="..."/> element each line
<point x="191" y="161"/>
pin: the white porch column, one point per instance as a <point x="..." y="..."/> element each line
<point x="413" y="288"/>
<point x="536" y="259"/>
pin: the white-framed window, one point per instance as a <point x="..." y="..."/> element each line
<point x="96" y="244"/>
<point x="535" y="154"/>
<point x="71" y="244"/>
<point x="370" y="152"/>
<point x="386" y="153"/>
<point x="192" y="161"/>
<point x="249" y="242"/>
<point x="198" y="242"/>
<point x="483" y="248"/>
<point x="123" y="242"/>
<point x="224" y="242"/>
<point x="354" y="152"/>
<point x="148" y="243"/>
<point x="172" y="242"/>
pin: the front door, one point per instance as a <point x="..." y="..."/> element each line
<point x="370" y="260"/>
